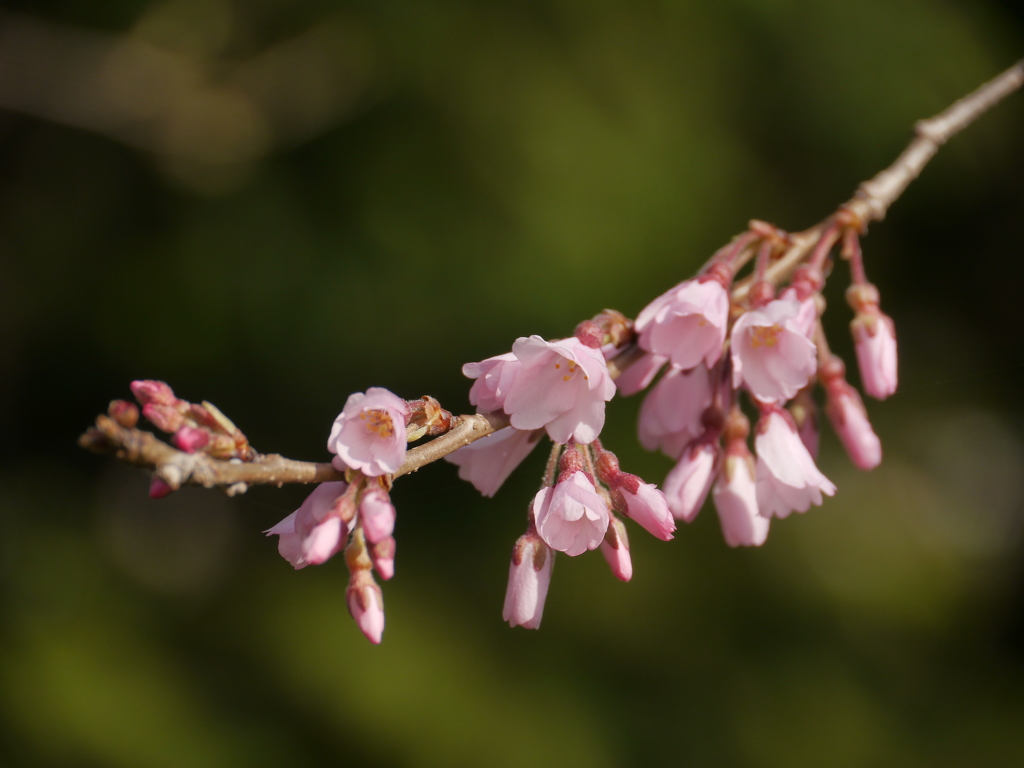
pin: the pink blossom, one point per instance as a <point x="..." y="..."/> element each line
<point x="735" y="499"/>
<point x="489" y="461"/>
<point x="615" y="549"/>
<point x="687" y="324"/>
<point x="493" y="378"/>
<point x="376" y="514"/>
<point x="640" y="374"/>
<point x="311" y="534"/>
<point x="369" y="434"/>
<point x="687" y="484"/>
<point x="849" y="419"/>
<point x="561" y="387"/>
<point x="787" y="478"/>
<point x="770" y="353"/>
<point x="366" y="604"/>
<point x="670" y="416"/>
<point x="571" y="517"/>
<point x="874" y="335"/>
<point x="807" y="316"/>
<point x="644" y="504"/>
<point x="529" y="576"/>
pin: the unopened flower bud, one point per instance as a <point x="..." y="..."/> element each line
<point x="149" y="391"/>
<point x="874" y="336"/>
<point x="164" y="417"/>
<point x="221" y="447"/>
<point x="190" y="439"/>
<point x="643" y="503"/>
<point x="366" y="604"/>
<point x="377" y="514"/>
<point x="687" y="485"/>
<point x="616" y="327"/>
<point x="383" y="555"/>
<point x="849" y="419"/>
<point x="158" y="488"/>
<point x="426" y="417"/>
<point x="590" y="334"/>
<point x="804" y="411"/>
<point x="529" y="576"/>
<point x="607" y="467"/>
<point x="124" y="413"/>
<point x="615" y="549"/>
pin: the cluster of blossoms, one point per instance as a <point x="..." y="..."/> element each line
<point x="709" y="348"/>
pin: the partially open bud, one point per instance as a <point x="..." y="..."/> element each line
<point x="529" y="576"/>
<point x="615" y="549"/>
<point x="366" y="604"/>
<point x="849" y="419"/>
<point x="805" y="413"/>
<point x="643" y="503"/>
<point x="688" y="483"/>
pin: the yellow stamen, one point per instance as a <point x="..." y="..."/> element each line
<point x="766" y="335"/>
<point x="379" y="422"/>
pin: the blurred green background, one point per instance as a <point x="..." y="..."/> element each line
<point x="273" y="204"/>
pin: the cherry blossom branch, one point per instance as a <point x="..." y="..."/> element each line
<point x="197" y="467"/>
<point x="873" y="198"/>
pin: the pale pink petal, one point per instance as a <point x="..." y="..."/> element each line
<point x="489" y="461"/>
<point x="687" y="484"/>
<point x="735" y="499"/>
<point x="572" y="517"/>
<point x="850" y="420"/>
<point x="615" y="549"/>
<point x="686" y="324"/>
<point x="647" y="506"/>
<point x="493" y="378"/>
<point x="875" y="337"/>
<point x="640" y="374"/>
<point x="323" y="541"/>
<point x="787" y="478"/>
<point x="670" y="416"/>
<point x="366" y="605"/>
<point x="770" y="353"/>
<point x="377" y="515"/>
<point x="529" y="576"/>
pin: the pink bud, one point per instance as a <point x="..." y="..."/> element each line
<point x="645" y="504"/>
<point x="164" y="417"/>
<point x="805" y="414"/>
<point x="688" y="483"/>
<point x="875" y="337"/>
<point x="849" y="419"/>
<point x="615" y="549"/>
<point x="149" y="391"/>
<point x="529" y="576"/>
<point x="190" y="439"/>
<point x="366" y="604"/>
<point x="158" y="488"/>
<point x="377" y="514"/>
<point x="383" y="555"/>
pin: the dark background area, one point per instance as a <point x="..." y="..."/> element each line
<point x="271" y="205"/>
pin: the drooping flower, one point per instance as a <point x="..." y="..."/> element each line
<point x="615" y="549"/>
<point x="687" y="484"/>
<point x="493" y="377"/>
<point x="312" y="534"/>
<point x="687" y="324"/>
<point x="805" y="414"/>
<point x="770" y="353"/>
<point x="529" y="576"/>
<point x="874" y="335"/>
<point x="487" y="462"/>
<point x="369" y="434"/>
<point x="670" y="416"/>
<point x="571" y="517"/>
<point x="807" y="316"/>
<point x="735" y="499"/>
<point x="787" y="479"/>
<point x="562" y="387"/>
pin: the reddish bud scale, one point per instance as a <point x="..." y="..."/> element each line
<point x="831" y="369"/>
<point x="721" y="273"/>
<point x="589" y="334"/>
<point x="761" y="293"/>
<point x="150" y="391"/>
<point x="627" y="482"/>
<point x="863" y="296"/>
<point x="165" y="417"/>
<point x="158" y="489"/>
<point x="124" y="413"/>
<point x="571" y="461"/>
<point x="737" y="427"/>
<point x="615" y="326"/>
<point x="607" y="467"/>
